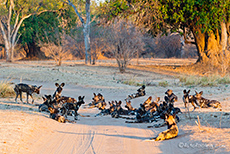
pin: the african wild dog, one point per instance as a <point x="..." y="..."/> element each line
<point x="140" y="92"/>
<point x="129" y="106"/>
<point x="64" y="99"/>
<point x="28" y="89"/>
<point x="172" y="130"/>
<point x="101" y="106"/>
<point x="95" y="100"/>
<point x="171" y="97"/>
<point x="57" y="93"/>
<point x="67" y="107"/>
<point x="48" y="102"/>
<point x="205" y="103"/>
<point x="54" y="114"/>
<point x="189" y="99"/>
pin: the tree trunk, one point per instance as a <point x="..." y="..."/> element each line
<point x="33" y="51"/>
<point x="208" y="46"/>
<point x="86" y="30"/>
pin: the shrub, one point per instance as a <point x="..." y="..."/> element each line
<point x="6" y="90"/>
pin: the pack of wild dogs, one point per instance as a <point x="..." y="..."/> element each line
<point x="60" y="107"/>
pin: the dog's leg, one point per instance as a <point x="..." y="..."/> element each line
<point x="20" y="96"/>
<point x="27" y="98"/>
<point x="16" y="96"/>
<point x="32" y="98"/>
<point x="76" y="115"/>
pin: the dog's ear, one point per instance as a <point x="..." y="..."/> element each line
<point x="188" y="91"/>
<point x="158" y="99"/>
<point x="184" y="91"/>
<point x="150" y="98"/>
<point x="120" y="102"/>
<point x="201" y="92"/>
<point x="62" y="84"/>
<point x="56" y="84"/>
<point x="83" y="97"/>
<point x="39" y="86"/>
<point x="44" y="98"/>
<point x="196" y="92"/>
<point x="94" y="95"/>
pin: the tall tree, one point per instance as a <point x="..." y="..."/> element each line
<point x="12" y="15"/>
<point x="86" y="27"/>
<point x="36" y="28"/>
<point x="208" y="21"/>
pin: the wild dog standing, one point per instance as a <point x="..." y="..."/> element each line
<point x="171" y="97"/>
<point x="172" y="130"/>
<point x="57" y="93"/>
<point x="189" y="99"/>
<point x="205" y="103"/>
<point x="28" y="89"/>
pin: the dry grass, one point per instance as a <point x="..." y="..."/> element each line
<point x="6" y="89"/>
<point x="216" y="137"/>
<point x="210" y="80"/>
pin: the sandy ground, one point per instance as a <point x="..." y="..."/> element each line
<point x="25" y="130"/>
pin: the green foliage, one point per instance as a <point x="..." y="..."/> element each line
<point x="37" y="27"/>
<point x="187" y="13"/>
<point x="212" y="80"/>
<point x="155" y="15"/>
<point x="163" y="83"/>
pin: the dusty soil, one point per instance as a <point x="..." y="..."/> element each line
<point x="25" y="130"/>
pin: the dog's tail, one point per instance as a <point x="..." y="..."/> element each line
<point x="84" y="115"/>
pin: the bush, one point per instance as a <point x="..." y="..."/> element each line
<point x="6" y="90"/>
<point x="163" y="83"/>
<point x="211" y="80"/>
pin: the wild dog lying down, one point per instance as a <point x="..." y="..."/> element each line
<point x="49" y="101"/>
<point x="64" y="99"/>
<point x="118" y="110"/>
<point x="145" y="112"/>
<point x="95" y="100"/>
<point x="28" y="89"/>
<point x="189" y="99"/>
<point x="205" y="103"/>
<point x="172" y="130"/>
<point x="54" y="115"/>
<point x="140" y="92"/>
<point x="67" y="107"/>
<point x="101" y="106"/>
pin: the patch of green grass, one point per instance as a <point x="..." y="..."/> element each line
<point x="211" y="80"/>
<point x="131" y="83"/>
<point x="6" y="89"/>
<point x="163" y="83"/>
